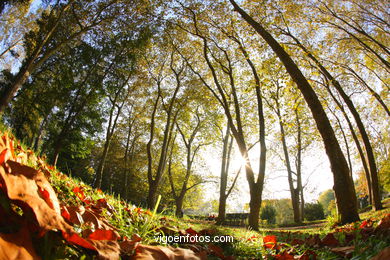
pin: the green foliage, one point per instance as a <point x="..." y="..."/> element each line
<point x="384" y="175"/>
<point x="268" y="213"/>
<point x="314" y="211"/>
<point x="326" y="199"/>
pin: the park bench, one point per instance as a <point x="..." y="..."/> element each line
<point x="236" y="219"/>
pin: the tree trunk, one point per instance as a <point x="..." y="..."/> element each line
<point x="293" y="192"/>
<point x="377" y="205"/>
<point x="254" y="207"/>
<point x="221" y="209"/>
<point x="343" y="186"/>
<point x="152" y="194"/>
<point x="299" y="165"/>
<point x="179" y="207"/>
<point x="224" y="177"/>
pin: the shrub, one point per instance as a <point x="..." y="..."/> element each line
<point x="314" y="211"/>
<point x="268" y="213"/>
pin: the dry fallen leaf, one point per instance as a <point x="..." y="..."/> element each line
<point x="384" y="254"/>
<point x="17" y="246"/>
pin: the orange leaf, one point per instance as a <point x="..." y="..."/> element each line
<point x="17" y="245"/>
<point x="65" y="213"/>
<point x="269" y="241"/>
<point x="101" y="234"/>
<point x="3" y="156"/>
<point x="77" y="240"/>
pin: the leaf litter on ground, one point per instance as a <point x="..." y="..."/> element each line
<point x="87" y="223"/>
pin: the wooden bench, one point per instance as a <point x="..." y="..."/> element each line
<point x="236" y="219"/>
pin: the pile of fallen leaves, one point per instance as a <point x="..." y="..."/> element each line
<point x="30" y="211"/>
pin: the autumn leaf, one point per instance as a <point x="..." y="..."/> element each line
<point x="102" y="234"/>
<point x="345" y="251"/>
<point x="330" y="240"/>
<point x="191" y="232"/>
<point x="17" y="245"/>
<point x="269" y="241"/>
<point x="382" y="255"/>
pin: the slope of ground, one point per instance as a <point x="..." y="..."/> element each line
<point x="44" y="214"/>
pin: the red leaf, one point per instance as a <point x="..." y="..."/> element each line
<point x="364" y="223"/>
<point x="77" y="240"/>
<point x="46" y="196"/>
<point x="269" y="241"/>
<point x="284" y="256"/>
<point x="191" y="232"/>
<point x="330" y="240"/>
<point x="65" y="213"/>
<point x="3" y="156"/>
<point x="101" y="234"/>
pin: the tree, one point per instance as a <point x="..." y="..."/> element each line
<point x="325" y="199"/>
<point x="171" y="109"/>
<point x="345" y="192"/>
<point x="65" y="23"/>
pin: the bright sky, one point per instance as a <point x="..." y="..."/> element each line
<point x="276" y="186"/>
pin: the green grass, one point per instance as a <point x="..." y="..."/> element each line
<point x="129" y="220"/>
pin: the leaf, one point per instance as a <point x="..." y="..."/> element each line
<point x="3" y="156"/>
<point x="313" y="240"/>
<point x="384" y="254"/>
<point x="330" y="240"/>
<point x="77" y="240"/>
<point x="191" y="232"/>
<point x="17" y="245"/>
<point x="102" y="234"/>
<point x="345" y="251"/>
<point x="65" y="213"/>
<point x="384" y="224"/>
<point x="269" y="241"/>
<point x="24" y="181"/>
<point x="127" y="246"/>
<point x="306" y="255"/>
<point x="284" y="256"/>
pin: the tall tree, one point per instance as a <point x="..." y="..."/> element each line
<point x="343" y="186"/>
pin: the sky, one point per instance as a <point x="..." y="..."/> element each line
<point x="316" y="173"/>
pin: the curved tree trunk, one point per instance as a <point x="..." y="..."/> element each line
<point x="343" y="186"/>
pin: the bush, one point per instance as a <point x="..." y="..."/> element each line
<point x="314" y="211"/>
<point x="268" y="213"/>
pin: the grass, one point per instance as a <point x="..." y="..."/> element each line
<point x="129" y="220"/>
